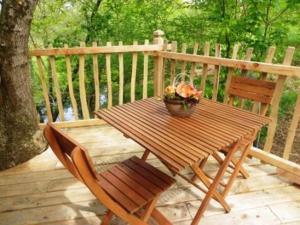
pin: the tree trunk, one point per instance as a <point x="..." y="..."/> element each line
<point x="20" y="137"/>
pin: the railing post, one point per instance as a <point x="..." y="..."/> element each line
<point x="276" y="100"/>
<point x="158" y="38"/>
<point x="292" y="130"/>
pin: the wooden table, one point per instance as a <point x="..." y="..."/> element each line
<point x="188" y="142"/>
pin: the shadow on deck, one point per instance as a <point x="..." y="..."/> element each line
<point x="41" y="191"/>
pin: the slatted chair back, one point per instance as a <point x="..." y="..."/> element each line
<point x="62" y="145"/>
<point x="85" y="168"/>
<point x="255" y="90"/>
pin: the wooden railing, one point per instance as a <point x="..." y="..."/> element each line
<point x="167" y="63"/>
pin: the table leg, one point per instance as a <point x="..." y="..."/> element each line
<point x="215" y="183"/>
<point x="236" y="171"/>
<point x="238" y="166"/>
<point x="243" y="172"/>
<point x="201" y="165"/>
<point x="145" y="155"/>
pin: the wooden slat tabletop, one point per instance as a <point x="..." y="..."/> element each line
<point x="182" y="142"/>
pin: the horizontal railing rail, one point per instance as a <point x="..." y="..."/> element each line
<point x="277" y="69"/>
<point x="95" y="50"/>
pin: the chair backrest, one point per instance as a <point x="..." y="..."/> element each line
<point x="62" y="145"/>
<point x="256" y="90"/>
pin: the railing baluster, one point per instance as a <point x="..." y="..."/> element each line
<point x="145" y="74"/>
<point x="158" y="38"/>
<point x="121" y="75"/>
<point x="276" y="100"/>
<point x="205" y="67"/>
<point x="249" y="54"/>
<point x="56" y="87"/>
<point x="230" y="71"/>
<point x="133" y="74"/>
<point x="70" y="85"/>
<point x="263" y="76"/>
<point x="292" y="130"/>
<point x="96" y="79"/>
<point x="269" y="59"/>
<point x="183" y="63"/>
<point x="173" y="62"/>
<point x="248" y="57"/>
<point x="42" y="76"/>
<point x="82" y="90"/>
<point x="193" y="67"/>
<point x="165" y="48"/>
<point x="108" y="75"/>
<point x="216" y="73"/>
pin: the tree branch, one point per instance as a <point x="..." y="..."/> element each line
<point x="91" y="19"/>
<point x="279" y="15"/>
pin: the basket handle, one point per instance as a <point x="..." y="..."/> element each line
<point x="178" y="77"/>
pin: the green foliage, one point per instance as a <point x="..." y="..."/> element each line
<point x="253" y="23"/>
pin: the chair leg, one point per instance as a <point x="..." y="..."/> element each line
<point x="149" y="209"/>
<point x="107" y="218"/>
<point x="217" y="196"/>
<point x="160" y="218"/>
<point x="201" y="165"/>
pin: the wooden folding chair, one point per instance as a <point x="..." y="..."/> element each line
<point x="129" y="189"/>
<point x="261" y="93"/>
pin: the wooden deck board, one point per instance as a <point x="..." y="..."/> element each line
<point x="42" y="192"/>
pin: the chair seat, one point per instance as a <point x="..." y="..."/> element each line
<point x="133" y="183"/>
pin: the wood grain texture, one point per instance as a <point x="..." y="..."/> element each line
<point x="268" y="59"/>
<point x="95" y="50"/>
<point x="230" y="72"/>
<point x="263" y="76"/>
<point x="194" y="65"/>
<point x="278" y="69"/>
<point x="82" y="90"/>
<point x="248" y="56"/>
<point x="118" y="187"/>
<point x="96" y="79"/>
<point x="57" y="88"/>
<point x="70" y="86"/>
<point x="276" y="100"/>
<point x="121" y="76"/>
<point x="42" y="77"/>
<point x="183" y="63"/>
<point x="145" y="72"/>
<point x="51" y="198"/>
<point x="173" y="62"/>
<point x="108" y="77"/>
<point x="204" y="67"/>
<point x="292" y="130"/>
<point x="251" y="89"/>
<point x="147" y="123"/>
<point x="133" y="74"/>
<point x="216" y="74"/>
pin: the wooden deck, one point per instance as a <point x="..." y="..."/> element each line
<point x="41" y="191"/>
